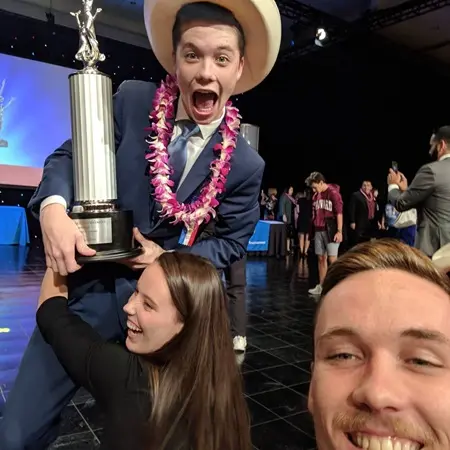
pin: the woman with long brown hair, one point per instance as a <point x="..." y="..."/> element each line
<point x="176" y="385"/>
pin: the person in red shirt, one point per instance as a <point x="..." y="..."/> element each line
<point x="327" y="222"/>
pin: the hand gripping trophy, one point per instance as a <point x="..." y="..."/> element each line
<point x="3" y="107"/>
<point x="105" y="227"/>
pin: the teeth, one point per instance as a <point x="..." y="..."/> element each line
<point x="133" y="328"/>
<point x="368" y="442"/>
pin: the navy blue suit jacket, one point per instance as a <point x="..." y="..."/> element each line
<point x="238" y="211"/>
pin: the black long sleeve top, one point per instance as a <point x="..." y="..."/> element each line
<point x="115" y="377"/>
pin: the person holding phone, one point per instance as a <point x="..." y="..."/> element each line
<point x="429" y="193"/>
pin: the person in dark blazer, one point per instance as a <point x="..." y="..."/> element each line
<point x="362" y="212"/>
<point x="286" y="207"/>
<point x="186" y="40"/>
<point x="236" y="283"/>
<point x="304" y="221"/>
<point x="429" y="193"/>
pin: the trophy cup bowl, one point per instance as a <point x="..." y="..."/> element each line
<point x="106" y="228"/>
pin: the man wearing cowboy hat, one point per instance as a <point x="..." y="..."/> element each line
<point x="214" y="49"/>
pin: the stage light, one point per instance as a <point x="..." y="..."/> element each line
<point x="321" y="34"/>
<point x="321" y="37"/>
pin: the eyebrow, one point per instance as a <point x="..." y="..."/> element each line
<point x="220" y="48"/>
<point x="420" y="334"/>
<point x="426" y="335"/>
<point x="337" y="332"/>
<point x="226" y="48"/>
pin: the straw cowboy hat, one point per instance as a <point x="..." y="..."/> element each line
<point x="260" y="20"/>
<point x="441" y="259"/>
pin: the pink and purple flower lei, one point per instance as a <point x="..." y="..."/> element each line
<point x="202" y="209"/>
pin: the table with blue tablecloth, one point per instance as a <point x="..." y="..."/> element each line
<point x="13" y="226"/>
<point x="268" y="239"/>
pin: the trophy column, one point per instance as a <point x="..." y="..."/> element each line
<point x="105" y="227"/>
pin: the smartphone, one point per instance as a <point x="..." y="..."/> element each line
<point x="395" y="166"/>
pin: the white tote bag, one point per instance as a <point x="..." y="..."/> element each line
<point x="400" y="219"/>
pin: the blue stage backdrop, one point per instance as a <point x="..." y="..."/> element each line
<point x="34" y="99"/>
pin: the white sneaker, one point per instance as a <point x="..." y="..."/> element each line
<point x="316" y="291"/>
<point x="239" y="343"/>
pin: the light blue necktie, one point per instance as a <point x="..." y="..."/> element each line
<point x="177" y="150"/>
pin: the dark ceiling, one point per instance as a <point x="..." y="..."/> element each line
<point x="421" y="25"/>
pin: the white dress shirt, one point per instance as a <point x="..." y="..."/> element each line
<point x="195" y="145"/>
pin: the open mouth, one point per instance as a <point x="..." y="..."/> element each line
<point x="133" y="330"/>
<point x="370" y="442"/>
<point x="204" y="101"/>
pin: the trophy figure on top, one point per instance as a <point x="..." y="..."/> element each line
<point x="89" y="51"/>
<point x="3" y="107"/>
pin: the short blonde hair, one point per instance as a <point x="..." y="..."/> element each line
<point x="383" y="254"/>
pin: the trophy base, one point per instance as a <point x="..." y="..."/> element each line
<point x="109" y="255"/>
<point x="109" y="233"/>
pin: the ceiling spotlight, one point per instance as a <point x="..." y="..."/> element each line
<point x="321" y="34"/>
<point x="321" y="37"/>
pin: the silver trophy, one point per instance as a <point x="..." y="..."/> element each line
<point x="105" y="227"/>
<point x="3" y="107"/>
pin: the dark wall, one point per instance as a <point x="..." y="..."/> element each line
<point x="41" y="41"/>
<point x="348" y="112"/>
